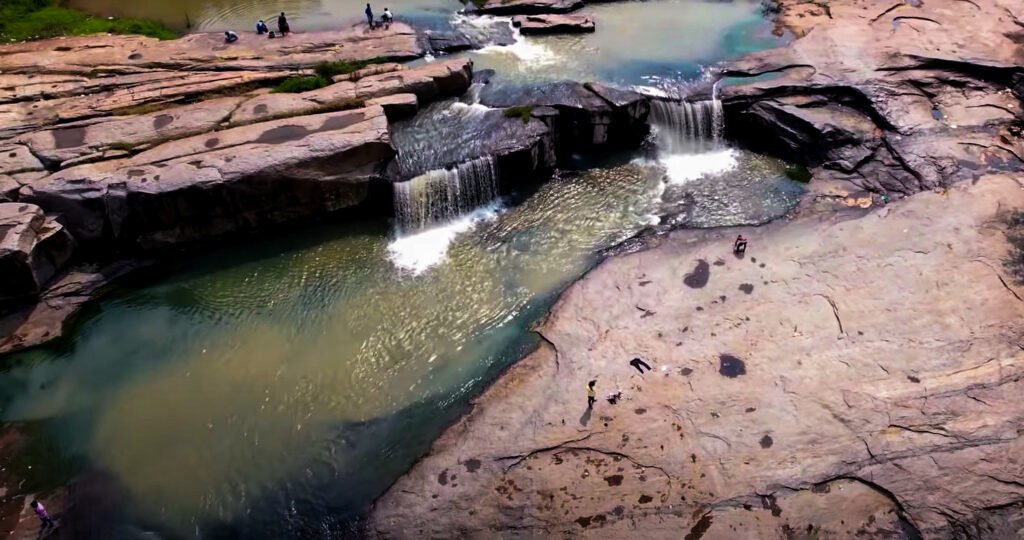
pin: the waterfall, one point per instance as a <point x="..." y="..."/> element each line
<point x="445" y="194"/>
<point x="688" y="127"/>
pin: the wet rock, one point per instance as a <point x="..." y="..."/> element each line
<point x="396" y="106"/>
<point x="527" y="7"/>
<point x="207" y="185"/>
<point x="586" y="117"/>
<point x="33" y="248"/>
<point x="553" y="24"/>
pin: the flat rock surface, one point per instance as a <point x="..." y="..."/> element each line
<point x="554" y="24"/>
<point x="82" y="55"/>
<point x="528" y="7"/>
<point x="850" y="376"/>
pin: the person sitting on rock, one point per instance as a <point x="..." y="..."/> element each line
<point x="230" y="37"/>
<point x="282" y="25"/>
<point x="739" y="247"/>
<point x="387" y="18"/>
<point x="261" y="27"/>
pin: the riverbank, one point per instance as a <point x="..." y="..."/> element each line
<point x="790" y="390"/>
<point x="29" y="20"/>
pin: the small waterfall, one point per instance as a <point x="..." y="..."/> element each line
<point x="687" y="127"/>
<point x="445" y="194"/>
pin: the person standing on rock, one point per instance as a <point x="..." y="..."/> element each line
<point x="44" y="516"/>
<point x="591" y="394"/>
<point x="282" y="25"/>
<point x="386" y="18"/>
<point x="369" y="16"/>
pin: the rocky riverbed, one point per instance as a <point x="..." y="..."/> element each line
<point x="852" y="375"/>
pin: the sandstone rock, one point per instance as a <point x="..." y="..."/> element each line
<point x="373" y="69"/>
<point x="396" y="106"/>
<point x="33" y="248"/>
<point x="528" y="7"/>
<point x="83" y="55"/>
<point x="553" y="24"/>
<point x="124" y="92"/>
<point x="832" y="107"/>
<point x="221" y="182"/>
<point x="427" y="82"/>
<point x="17" y="158"/>
<point x="820" y="385"/>
<point x="128" y="132"/>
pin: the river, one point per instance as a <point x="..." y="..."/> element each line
<point x="274" y="387"/>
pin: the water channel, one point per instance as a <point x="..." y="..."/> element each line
<point x="273" y="388"/>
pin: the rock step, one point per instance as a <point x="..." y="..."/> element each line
<point x="33" y="247"/>
<point x="554" y="24"/>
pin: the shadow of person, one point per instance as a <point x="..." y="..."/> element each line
<point x="585" y="419"/>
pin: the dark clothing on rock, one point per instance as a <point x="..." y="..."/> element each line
<point x="369" y="15"/>
<point x="282" y="25"/>
<point x="639" y="365"/>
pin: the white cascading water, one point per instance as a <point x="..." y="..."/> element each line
<point x="445" y="194"/>
<point x="690" y="138"/>
<point x="436" y="207"/>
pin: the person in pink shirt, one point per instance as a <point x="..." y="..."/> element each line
<point x="44" y="516"/>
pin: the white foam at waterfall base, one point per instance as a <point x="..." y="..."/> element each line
<point x="682" y="168"/>
<point x="528" y="52"/>
<point x="418" y="252"/>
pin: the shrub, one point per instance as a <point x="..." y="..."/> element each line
<point x="522" y="111"/>
<point x="798" y="173"/>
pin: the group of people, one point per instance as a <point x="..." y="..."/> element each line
<point x="282" y="25"/>
<point x="385" y="19"/>
<point x="261" y="28"/>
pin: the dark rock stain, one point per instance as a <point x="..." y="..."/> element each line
<point x="640" y="410"/>
<point x="768" y="503"/>
<point x="618" y="510"/>
<point x="750" y="409"/>
<point x="134" y="173"/>
<point x="730" y="366"/>
<point x="260" y="109"/>
<point x="644" y="283"/>
<point x="583" y="521"/>
<point x="747" y="287"/>
<point x="719" y="262"/>
<point x="614" y="480"/>
<point x="135" y="56"/>
<point x="766" y="442"/>
<point x="162" y="121"/>
<point x="472" y="465"/>
<point x="686" y="371"/>
<point x="699" y="528"/>
<point x="443" y="478"/>
<point x="69" y="138"/>
<point x="700" y="275"/>
<point x="644" y="499"/>
<point x="212" y="143"/>
<point x="282" y="134"/>
<point x="913" y="379"/>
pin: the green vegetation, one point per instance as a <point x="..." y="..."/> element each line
<point x="121" y="145"/>
<point x="325" y="73"/>
<point x="798" y="173"/>
<point x="23" y="20"/>
<point x="522" y="111"/>
<point x="296" y="85"/>
<point x="480" y="3"/>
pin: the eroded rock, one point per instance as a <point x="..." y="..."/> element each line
<point x="33" y="248"/>
<point x="554" y="24"/>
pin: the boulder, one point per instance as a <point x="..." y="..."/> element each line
<point x="528" y="7"/>
<point x="33" y="247"/>
<point x="590" y="115"/>
<point x="217" y="183"/>
<point x="553" y="24"/>
<point x="465" y="36"/>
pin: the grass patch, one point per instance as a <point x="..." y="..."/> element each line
<point x="24" y="20"/>
<point x="329" y="70"/>
<point x="296" y="85"/>
<point x="480" y="3"/>
<point x="144" y="108"/>
<point x="522" y="111"/>
<point x="121" y="145"/>
<point x="798" y="173"/>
